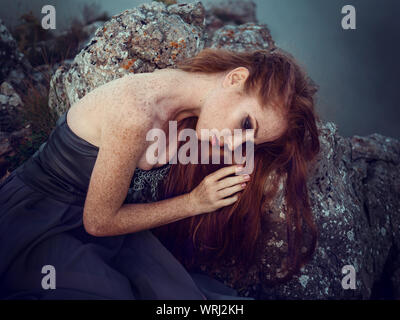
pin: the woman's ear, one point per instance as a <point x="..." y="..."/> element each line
<point x="236" y="77"/>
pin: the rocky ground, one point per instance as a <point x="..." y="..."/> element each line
<point x="354" y="187"/>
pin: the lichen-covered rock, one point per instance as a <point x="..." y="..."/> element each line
<point x="41" y="74"/>
<point x="90" y="31"/>
<point x="151" y="36"/>
<point x="9" y="142"/>
<point x="12" y="130"/>
<point x="245" y="37"/>
<point x="354" y="186"/>
<point x="10" y="105"/>
<point x="228" y="12"/>
<point x="233" y="11"/>
<point x="13" y="65"/>
<point x="346" y="236"/>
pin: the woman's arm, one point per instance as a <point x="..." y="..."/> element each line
<point x="136" y="217"/>
<point x="211" y="194"/>
<point x="122" y="142"/>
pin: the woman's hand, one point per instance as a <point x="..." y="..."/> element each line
<point x="216" y="190"/>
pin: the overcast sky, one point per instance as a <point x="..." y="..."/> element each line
<point x="356" y="69"/>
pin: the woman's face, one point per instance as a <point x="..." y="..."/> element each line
<point x="227" y="107"/>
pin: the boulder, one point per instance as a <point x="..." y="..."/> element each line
<point x="10" y="106"/>
<point x="90" y="31"/>
<point x="248" y="36"/>
<point x="228" y="12"/>
<point x="354" y="186"/>
<point x="13" y="65"/>
<point x="12" y="128"/>
<point x="151" y="36"/>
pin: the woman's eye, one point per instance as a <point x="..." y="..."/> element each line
<point x="247" y="123"/>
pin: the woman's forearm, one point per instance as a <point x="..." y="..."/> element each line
<point x="135" y="217"/>
<point x="215" y="191"/>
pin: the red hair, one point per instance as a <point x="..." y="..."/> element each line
<point x="233" y="232"/>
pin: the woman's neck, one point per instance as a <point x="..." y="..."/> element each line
<point x="181" y="94"/>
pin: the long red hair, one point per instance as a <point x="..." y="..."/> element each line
<point x="233" y="232"/>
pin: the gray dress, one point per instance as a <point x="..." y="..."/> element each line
<point x="41" y="206"/>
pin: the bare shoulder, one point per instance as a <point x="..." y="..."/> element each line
<point x="123" y="103"/>
<point x="128" y="101"/>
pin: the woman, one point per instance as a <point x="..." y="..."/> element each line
<point x="65" y="207"/>
<point x="231" y="236"/>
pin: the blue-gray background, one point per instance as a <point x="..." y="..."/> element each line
<point x="356" y="69"/>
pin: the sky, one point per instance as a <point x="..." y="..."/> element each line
<point x="356" y="70"/>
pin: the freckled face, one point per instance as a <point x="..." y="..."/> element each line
<point x="228" y="108"/>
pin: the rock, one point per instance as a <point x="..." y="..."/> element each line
<point x="354" y="186"/>
<point x="5" y="150"/>
<point x="42" y="74"/>
<point x="13" y="65"/>
<point x="228" y="12"/>
<point x="12" y="131"/>
<point x="193" y="14"/>
<point x="152" y="36"/>
<point x="232" y="11"/>
<point x="9" y="143"/>
<point x="10" y="106"/>
<point x="5" y="145"/>
<point x="243" y="37"/>
<point x="90" y="31"/>
<point x="349" y="234"/>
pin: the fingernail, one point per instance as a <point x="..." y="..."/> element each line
<point x="246" y="177"/>
<point x="238" y="169"/>
<point x="243" y="185"/>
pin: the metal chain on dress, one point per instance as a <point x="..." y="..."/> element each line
<point x="149" y="179"/>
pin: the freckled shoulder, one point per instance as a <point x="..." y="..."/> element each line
<point x="129" y="102"/>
